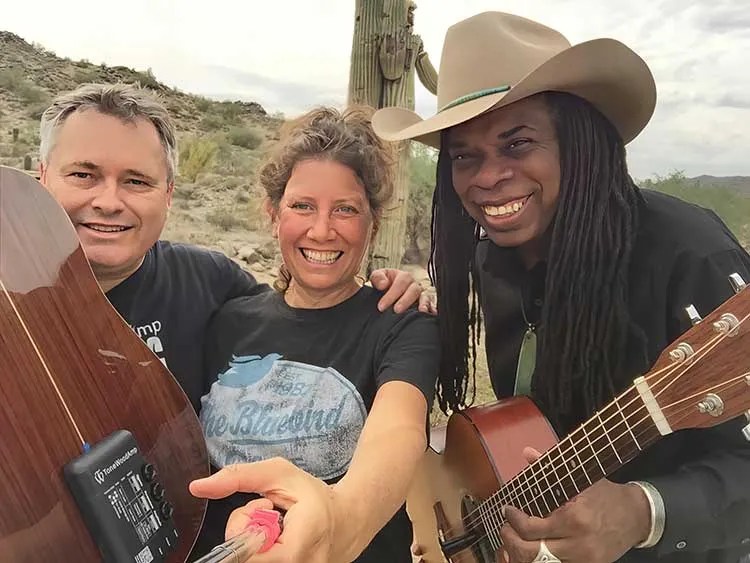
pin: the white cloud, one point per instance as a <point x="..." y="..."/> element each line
<point x="288" y="55"/>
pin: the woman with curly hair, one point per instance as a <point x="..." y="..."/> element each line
<point x="326" y="393"/>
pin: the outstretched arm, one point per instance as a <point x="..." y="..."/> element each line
<point x="335" y="523"/>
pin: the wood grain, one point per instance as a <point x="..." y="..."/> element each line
<point x="62" y="343"/>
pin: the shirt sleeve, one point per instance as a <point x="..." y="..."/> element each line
<point x="410" y="352"/>
<point x="707" y="500"/>
<point x="236" y="281"/>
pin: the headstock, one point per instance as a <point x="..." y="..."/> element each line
<point x="703" y="378"/>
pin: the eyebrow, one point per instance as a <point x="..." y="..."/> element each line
<point x="133" y="172"/>
<point x="504" y="135"/>
<point x="513" y="131"/>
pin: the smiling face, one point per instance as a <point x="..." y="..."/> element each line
<point x="324" y="225"/>
<point x="506" y="172"/>
<point x="111" y="177"/>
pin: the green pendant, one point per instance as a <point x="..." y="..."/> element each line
<point x="526" y="363"/>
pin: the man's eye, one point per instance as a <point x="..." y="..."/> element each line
<point x="82" y="175"/>
<point x="518" y="143"/>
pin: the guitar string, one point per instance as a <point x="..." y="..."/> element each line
<point x="702" y="352"/>
<point x="511" y="490"/>
<point x="44" y="364"/>
<point x="488" y="532"/>
<point x="515" y="487"/>
<point x="481" y="536"/>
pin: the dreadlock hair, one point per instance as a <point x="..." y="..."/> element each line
<point x="585" y="321"/>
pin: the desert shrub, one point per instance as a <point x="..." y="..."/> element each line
<point x="196" y="156"/>
<point x="245" y="137"/>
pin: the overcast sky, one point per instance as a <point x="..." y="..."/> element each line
<point x="291" y="54"/>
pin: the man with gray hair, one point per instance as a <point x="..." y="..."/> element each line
<point x="108" y="154"/>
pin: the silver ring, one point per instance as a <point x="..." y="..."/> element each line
<point x="544" y="555"/>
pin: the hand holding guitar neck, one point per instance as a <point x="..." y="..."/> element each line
<point x="701" y="380"/>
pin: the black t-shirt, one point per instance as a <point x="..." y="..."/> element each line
<point x="683" y="255"/>
<point x="298" y="383"/>
<point x="170" y="300"/>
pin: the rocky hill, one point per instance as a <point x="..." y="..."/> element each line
<point x="220" y="144"/>
<point x="217" y="203"/>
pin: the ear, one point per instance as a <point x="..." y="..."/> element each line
<point x="43" y="169"/>
<point x="170" y="193"/>
<point x="375" y="228"/>
<point x="273" y="215"/>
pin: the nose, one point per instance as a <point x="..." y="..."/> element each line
<point x="321" y="230"/>
<point x="492" y="172"/>
<point x="107" y="198"/>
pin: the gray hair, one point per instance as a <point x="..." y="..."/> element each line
<point x="126" y="101"/>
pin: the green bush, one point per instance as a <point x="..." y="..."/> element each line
<point x="245" y="137"/>
<point x="196" y="156"/>
<point x="733" y="207"/>
<point x="11" y="79"/>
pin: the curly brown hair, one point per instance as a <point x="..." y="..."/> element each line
<point x="325" y="133"/>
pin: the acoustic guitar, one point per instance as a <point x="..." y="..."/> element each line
<point x="476" y="465"/>
<point x="78" y="385"/>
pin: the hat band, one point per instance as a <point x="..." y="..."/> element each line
<point x="474" y="96"/>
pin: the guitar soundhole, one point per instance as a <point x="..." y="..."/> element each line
<point x="481" y="548"/>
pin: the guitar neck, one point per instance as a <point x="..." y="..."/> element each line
<point x="607" y="441"/>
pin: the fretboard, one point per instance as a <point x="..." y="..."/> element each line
<point x="603" y="444"/>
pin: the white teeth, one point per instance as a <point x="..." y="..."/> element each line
<point x="106" y="229"/>
<point x="320" y="257"/>
<point x="500" y="210"/>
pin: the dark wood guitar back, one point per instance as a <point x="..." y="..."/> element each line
<point x="71" y="370"/>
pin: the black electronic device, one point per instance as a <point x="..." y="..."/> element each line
<point x="122" y="502"/>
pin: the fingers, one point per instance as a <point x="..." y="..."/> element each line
<point x="529" y="528"/>
<point x="401" y="289"/>
<point x="240" y="518"/>
<point x="531" y="454"/>
<point x="518" y="549"/>
<point x="428" y="302"/>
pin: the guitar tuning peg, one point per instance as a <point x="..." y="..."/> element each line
<point x="738" y="284"/>
<point x="692" y="312"/>
<point x="746" y="429"/>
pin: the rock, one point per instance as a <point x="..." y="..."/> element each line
<point x="268" y="250"/>
<point x="249" y="254"/>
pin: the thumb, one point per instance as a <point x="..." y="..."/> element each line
<point x="531" y="454"/>
<point x="259" y="477"/>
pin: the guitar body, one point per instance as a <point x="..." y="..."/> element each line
<point x="699" y="381"/>
<point x="72" y="369"/>
<point x="483" y="450"/>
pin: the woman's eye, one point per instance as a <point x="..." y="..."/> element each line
<point x="301" y="206"/>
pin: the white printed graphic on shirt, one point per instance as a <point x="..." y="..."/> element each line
<point x="267" y="407"/>
<point x="149" y="333"/>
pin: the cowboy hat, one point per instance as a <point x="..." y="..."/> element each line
<point x="494" y="59"/>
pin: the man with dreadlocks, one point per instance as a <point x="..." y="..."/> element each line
<point x="582" y="279"/>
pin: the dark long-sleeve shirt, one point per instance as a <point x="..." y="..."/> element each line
<point x="683" y="255"/>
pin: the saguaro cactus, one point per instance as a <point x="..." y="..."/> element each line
<point x="385" y="54"/>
